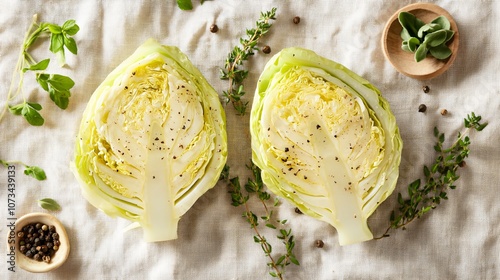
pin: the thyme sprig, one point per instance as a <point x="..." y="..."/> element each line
<point x="238" y="55"/>
<point x="255" y="188"/>
<point x="439" y="177"/>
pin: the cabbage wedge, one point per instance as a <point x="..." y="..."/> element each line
<point x="325" y="139"/>
<point x="152" y="140"/>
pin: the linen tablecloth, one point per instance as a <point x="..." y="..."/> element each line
<point x="458" y="240"/>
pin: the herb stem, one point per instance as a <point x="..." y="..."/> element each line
<point x="17" y="69"/>
<point x="255" y="186"/>
<point x="439" y="177"/>
<point x="265" y="245"/>
<point x="239" y="54"/>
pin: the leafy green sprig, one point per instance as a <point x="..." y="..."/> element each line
<point x="58" y="86"/>
<point x="186" y="4"/>
<point x="439" y="177"/>
<point x="238" y="55"/>
<point x="29" y="170"/>
<point x="255" y="187"/>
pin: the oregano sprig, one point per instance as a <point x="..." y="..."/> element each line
<point x="29" y="170"/>
<point x="255" y="188"/>
<point x="238" y="55"/>
<point x="58" y="86"/>
<point x="423" y="196"/>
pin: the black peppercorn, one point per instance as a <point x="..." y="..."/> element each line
<point x="214" y="28"/>
<point x="319" y="243"/>
<point x="266" y="49"/>
<point x="297" y="210"/>
<point x="426" y="89"/>
<point x="39" y="241"/>
<point x="422" y="108"/>
<point x="296" y="20"/>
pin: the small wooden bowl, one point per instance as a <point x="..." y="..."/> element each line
<point x="32" y="265"/>
<point x="404" y="61"/>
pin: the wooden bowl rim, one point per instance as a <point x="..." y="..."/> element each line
<point x="60" y="256"/>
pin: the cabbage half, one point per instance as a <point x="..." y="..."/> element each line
<point x="152" y="140"/>
<point x="325" y="140"/>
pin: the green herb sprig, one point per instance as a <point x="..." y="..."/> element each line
<point x="29" y="170"/>
<point x="255" y="187"/>
<point x="421" y="38"/>
<point x="58" y="86"/>
<point x="439" y="177"/>
<point x="186" y="4"/>
<point x="238" y="55"/>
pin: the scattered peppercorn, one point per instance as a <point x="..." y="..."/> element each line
<point x="266" y="49"/>
<point x="46" y="259"/>
<point x="319" y="243"/>
<point x="297" y="210"/>
<point x="422" y="108"/>
<point x="214" y="28"/>
<point x="444" y="112"/>
<point x="296" y="20"/>
<point x="426" y="89"/>
<point x="38" y="241"/>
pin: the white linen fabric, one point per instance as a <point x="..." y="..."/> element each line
<point x="458" y="240"/>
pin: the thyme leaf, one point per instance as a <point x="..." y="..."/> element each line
<point x="425" y="195"/>
<point x="240" y="197"/>
<point x="238" y="55"/>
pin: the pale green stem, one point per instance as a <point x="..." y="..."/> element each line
<point x="18" y="71"/>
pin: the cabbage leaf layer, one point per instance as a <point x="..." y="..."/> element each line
<point x="325" y="139"/>
<point x="152" y="140"/>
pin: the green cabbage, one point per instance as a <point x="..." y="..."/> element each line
<point x="152" y="140"/>
<point x="325" y="139"/>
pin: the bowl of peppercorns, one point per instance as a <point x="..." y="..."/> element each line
<point x="41" y="242"/>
